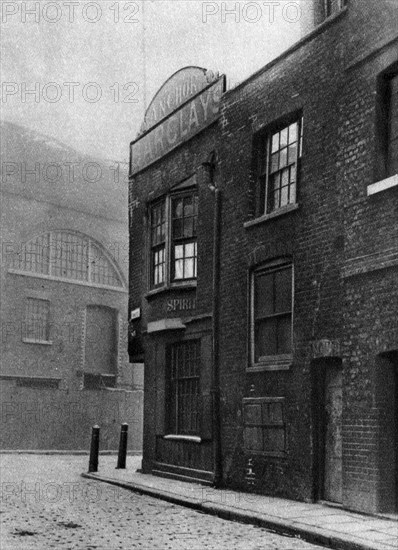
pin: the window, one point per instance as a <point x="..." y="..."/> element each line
<point x="392" y="153"/>
<point x="36" y="328"/>
<point x="264" y="428"/>
<point x="277" y="166"/>
<point x="68" y="256"/>
<point x="333" y="6"/>
<point x="183" y="392"/>
<point x="173" y="234"/>
<point x="271" y="331"/>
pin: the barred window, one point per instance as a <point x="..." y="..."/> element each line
<point x="184" y="370"/>
<point x="36" y="327"/>
<point x="69" y="256"/>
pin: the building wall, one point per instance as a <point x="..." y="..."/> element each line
<point x="154" y="182"/>
<point x="343" y="245"/>
<point x="45" y="402"/>
<point x="369" y="270"/>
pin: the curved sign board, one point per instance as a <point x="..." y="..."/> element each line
<point x="178" y="89"/>
<point x="187" y="103"/>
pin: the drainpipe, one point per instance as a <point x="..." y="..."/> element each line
<point x="217" y="457"/>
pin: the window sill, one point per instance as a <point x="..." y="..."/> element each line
<point x="40" y="342"/>
<point x="191" y="285"/>
<point x="382" y="185"/>
<point x="189" y="438"/>
<point x="272" y="215"/>
<point x="272" y="364"/>
<point x="269" y="454"/>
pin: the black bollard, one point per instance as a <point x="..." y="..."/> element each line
<point x="121" y="459"/>
<point x="94" y="450"/>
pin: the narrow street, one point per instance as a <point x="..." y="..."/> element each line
<point x="46" y="504"/>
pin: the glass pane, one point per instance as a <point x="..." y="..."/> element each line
<point x="188" y="206"/>
<point x="265" y="338"/>
<point x="179" y="269"/>
<point x="263" y="295"/>
<point x="275" y="412"/>
<point x="283" y="291"/>
<point x="284" y="334"/>
<point x="284" y="196"/>
<point x="292" y="153"/>
<point x="190" y="250"/>
<point x="284" y="133"/>
<point x="274" y="162"/>
<point x="179" y="251"/>
<point x="189" y="268"/>
<point x="275" y="142"/>
<point x="285" y="177"/>
<point x="293" y="133"/>
<point x="177" y="228"/>
<point x="253" y="439"/>
<point x="283" y="158"/>
<point x="276" y="203"/>
<point x="292" y="198"/>
<point x="177" y="208"/>
<point x="188" y="227"/>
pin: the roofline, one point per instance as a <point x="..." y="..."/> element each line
<point x="297" y="45"/>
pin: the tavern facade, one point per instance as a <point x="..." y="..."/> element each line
<point x="271" y="339"/>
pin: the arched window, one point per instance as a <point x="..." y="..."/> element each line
<point x="70" y="256"/>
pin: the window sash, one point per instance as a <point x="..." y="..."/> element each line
<point x="392" y="152"/>
<point x="173" y="239"/>
<point x="271" y="315"/>
<point x="184" y="379"/>
<point x="277" y="166"/>
<point x="37" y="320"/>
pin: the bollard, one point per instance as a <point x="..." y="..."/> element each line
<point x="121" y="459"/>
<point x="94" y="450"/>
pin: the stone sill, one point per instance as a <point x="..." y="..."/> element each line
<point x="189" y="438"/>
<point x="169" y="288"/>
<point x="382" y="185"/>
<point x="272" y="215"/>
<point x="40" y="342"/>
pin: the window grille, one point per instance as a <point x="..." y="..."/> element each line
<point x="68" y="256"/>
<point x="37" y="326"/>
<point x="184" y="387"/>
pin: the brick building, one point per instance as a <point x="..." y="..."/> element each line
<point x="309" y="253"/>
<point x="303" y="367"/>
<point x="171" y="224"/>
<point x="64" y="299"/>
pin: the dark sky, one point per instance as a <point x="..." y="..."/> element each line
<point x="86" y="61"/>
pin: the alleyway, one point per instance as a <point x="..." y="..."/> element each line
<point x="46" y="504"/>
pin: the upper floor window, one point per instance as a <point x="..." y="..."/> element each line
<point x="333" y="6"/>
<point x="392" y="153"/>
<point x="173" y="234"/>
<point x="271" y="313"/>
<point x="69" y="256"/>
<point x="278" y="153"/>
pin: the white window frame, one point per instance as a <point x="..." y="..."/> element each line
<point x="169" y="280"/>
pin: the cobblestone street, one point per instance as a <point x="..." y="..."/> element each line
<point x="46" y="504"/>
